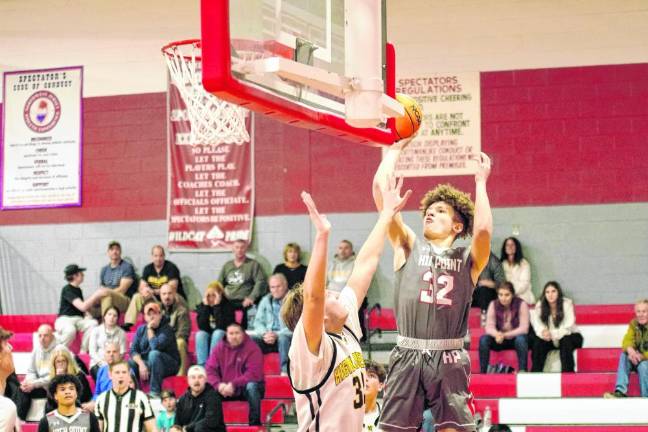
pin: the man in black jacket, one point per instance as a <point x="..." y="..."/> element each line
<point x="200" y="408"/>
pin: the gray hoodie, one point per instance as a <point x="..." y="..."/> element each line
<point x="39" y="363"/>
<point x="339" y="272"/>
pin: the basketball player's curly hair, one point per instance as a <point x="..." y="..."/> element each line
<point x="292" y="307"/>
<point x="460" y="201"/>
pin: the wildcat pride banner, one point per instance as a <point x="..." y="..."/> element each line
<point x="42" y="138"/>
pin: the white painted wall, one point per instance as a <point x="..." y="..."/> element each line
<point x="118" y="41"/>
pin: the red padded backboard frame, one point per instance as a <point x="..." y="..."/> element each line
<point x="218" y="79"/>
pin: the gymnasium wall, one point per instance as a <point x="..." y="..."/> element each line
<point x="568" y="142"/>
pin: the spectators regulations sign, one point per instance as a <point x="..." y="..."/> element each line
<point x="42" y="137"/>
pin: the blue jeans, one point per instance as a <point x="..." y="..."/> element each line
<point x="623" y="375"/>
<point x="205" y="344"/>
<point x="253" y="393"/>
<point x="487" y="343"/>
<point x="160" y="366"/>
<point x="282" y="346"/>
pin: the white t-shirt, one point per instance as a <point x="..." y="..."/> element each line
<point x="329" y="386"/>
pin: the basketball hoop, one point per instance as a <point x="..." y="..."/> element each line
<point x="213" y="121"/>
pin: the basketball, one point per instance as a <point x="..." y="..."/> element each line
<point x="407" y="125"/>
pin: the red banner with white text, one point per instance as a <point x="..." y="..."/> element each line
<point x="211" y="193"/>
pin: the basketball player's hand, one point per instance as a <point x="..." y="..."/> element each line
<point x="483" y="167"/>
<point x="402" y="144"/>
<point x="391" y="196"/>
<point x="322" y="224"/>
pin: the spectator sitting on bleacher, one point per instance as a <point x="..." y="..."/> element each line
<point x="291" y="268"/>
<point x="8" y="410"/>
<point x="213" y="316"/>
<point x="235" y="370"/>
<point x="105" y="332"/>
<point x="159" y="272"/>
<point x="62" y="363"/>
<point x="34" y="385"/>
<point x="554" y="326"/>
<point x="243" y="279"/>
<point x="270" y="332"/>
<point x="119" y="277"/>
<point x="179" y="320"/>
<point x="517" y="269"/>
<point x="74" y="312"/>
<point x="200" y="408"/>
<point x="374" y="383"/>
<point x="65" y="389"/>
<point x="166" y="417"/>
<point x="507" y="325"/>
<point x="489" y="279"/>
<point x="634" y="355"/>
<point x="154" y="351"/>
<point x="103" y="382"/>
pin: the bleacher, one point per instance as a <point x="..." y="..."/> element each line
<point x="531" y="402"/>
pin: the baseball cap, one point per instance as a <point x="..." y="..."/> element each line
<point x="73" y="269"/>
<point x="151" y="305"/>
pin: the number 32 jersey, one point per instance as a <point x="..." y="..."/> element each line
<point x="329" y="386"/>
<point x="433" y="292"/>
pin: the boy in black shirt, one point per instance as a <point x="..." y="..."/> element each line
<point x="74" y="312"/>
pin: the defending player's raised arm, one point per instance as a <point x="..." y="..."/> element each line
<point x="367" y="259"/>
<point x="400" y="235"/>
<point x="483" y="222"/>
<point x="314" y="285"/>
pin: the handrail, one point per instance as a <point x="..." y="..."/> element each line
<point x="368" y="330"/>
<point x="268" y="419"/>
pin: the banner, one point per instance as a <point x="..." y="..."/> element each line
<point x="211" y="193"/>
<point x="451" y="130"/>
<point x="42" y="137"/>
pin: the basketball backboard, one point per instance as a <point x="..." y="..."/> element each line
<point x="320" y="64"/>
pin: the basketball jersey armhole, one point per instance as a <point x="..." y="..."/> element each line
<point x="326" y="375"/>
<point x="352" y="333"/>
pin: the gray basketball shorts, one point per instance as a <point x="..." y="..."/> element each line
<point x="420" y="379"/>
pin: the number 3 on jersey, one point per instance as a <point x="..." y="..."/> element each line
<point x="445" y="282"/>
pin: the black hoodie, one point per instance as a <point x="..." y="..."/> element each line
<point x="202" y="413"/>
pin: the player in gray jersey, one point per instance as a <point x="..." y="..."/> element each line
<point x="433" y="289"/>
<point x="67" y="417"/>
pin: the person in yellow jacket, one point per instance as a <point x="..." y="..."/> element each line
<point x="635" y="353"/>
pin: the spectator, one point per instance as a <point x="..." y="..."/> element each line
<point x="213" y="316"/>
<point x="179" y="321"/>
<point x="340" y="267"/>
<point x="270" y="332"/>
<point x="517" y="269"/>
<point x="7" y="369"/>
<point x="554" y="324"/>
<point x="8" y="384"/>
<point x="507" y="325"/>
<point x="135" y="408"/>
<point x="107" y="331"/>
<point x="75" y="313"/>
<point x="291" y="268"/>
<point x="374" y="383"/>
<point x="166" y="416"/>
<point x="62" y="363"/>
<point x="235" y="370"/>
<point x="154" y="352"/>
<point x="243" y="279"/>
<point x="119" y="277"/>
<point x="499" y="428"/>
<point x="634" y="354"/>
<point x="157" y="273"/>
<point x="65" y="389"/>
<point x="34" y="385"/>
<point x="490" y="278"/>
<point x="338" y="273"/>
<point x="200" y="408"/>
<point x="103" y="382"/>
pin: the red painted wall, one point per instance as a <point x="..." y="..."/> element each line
<point x="556" y="136"/>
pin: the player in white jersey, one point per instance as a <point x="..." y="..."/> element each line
<point x="326" y="368"/>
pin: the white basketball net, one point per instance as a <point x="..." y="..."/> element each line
<point x="213" y="121"/>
